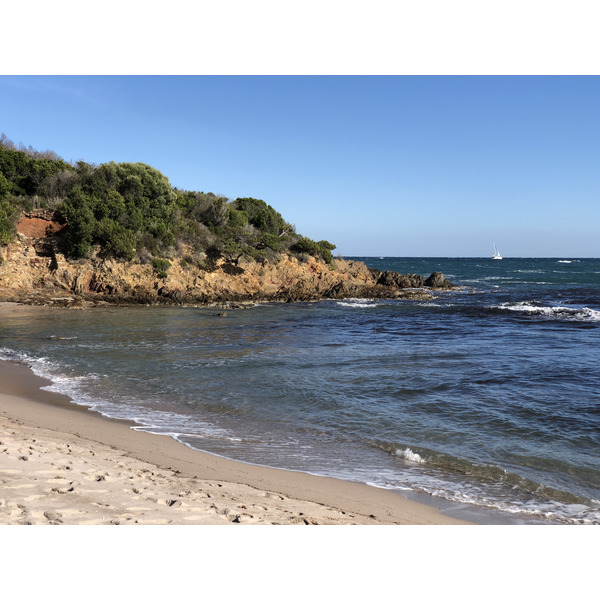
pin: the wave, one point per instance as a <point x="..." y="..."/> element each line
<point x="80" y="389"/>
<point x="358" y="303"/>
<point x="45" y="368"/>
<point x="491" y="486"/>
<point x="409" y="455"/>
<point x="552" y="312"/>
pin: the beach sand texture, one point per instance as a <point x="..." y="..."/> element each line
<point x="63" y="464"/>
<point x="56" y="479"/>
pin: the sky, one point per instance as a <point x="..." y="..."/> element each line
<point x="378" y="165"/>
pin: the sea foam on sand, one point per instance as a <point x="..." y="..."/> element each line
<point x="62" y="464"/>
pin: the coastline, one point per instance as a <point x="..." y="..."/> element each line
<point x="63" y="463"/>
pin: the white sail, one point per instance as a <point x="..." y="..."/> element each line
<point x="496" y="254"/>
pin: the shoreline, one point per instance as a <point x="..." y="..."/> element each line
<point x="108" y="472"/>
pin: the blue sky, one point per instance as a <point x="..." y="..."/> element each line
<point x="378" y="165"/>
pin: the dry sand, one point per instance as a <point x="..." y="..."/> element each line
<point x="63" y="464"/>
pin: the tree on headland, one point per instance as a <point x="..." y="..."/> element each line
<point x="130" y="211"/>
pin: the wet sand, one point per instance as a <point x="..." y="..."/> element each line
<point x="64" y="464"/>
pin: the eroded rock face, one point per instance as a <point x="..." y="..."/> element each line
<point x="33" y="270"/>
<point x="39" y="224"/>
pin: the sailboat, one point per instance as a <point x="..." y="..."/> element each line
<point x="496" y="254"/>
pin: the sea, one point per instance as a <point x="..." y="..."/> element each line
<point x="483" y="401"/>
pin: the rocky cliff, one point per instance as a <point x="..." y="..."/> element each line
<point x="33" y="270"/>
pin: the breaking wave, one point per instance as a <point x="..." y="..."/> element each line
<point x="486" y="485"/>
<point x="358" y="303"/>
<point x="409" y="455"/>
<point x="552" y="312"/>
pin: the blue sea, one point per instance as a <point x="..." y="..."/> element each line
<point x="484" y="401"/>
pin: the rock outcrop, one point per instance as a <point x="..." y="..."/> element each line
<point x="33" y="270"/>
<point x="391" y="278"/>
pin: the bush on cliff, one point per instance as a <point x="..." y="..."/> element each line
<point x="307" y="246"/>
<point x="161" y="264"/>
<point x="131" y="211"/>
<point x="7" y="226"/>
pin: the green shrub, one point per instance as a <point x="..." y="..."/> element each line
<point x="270" y="241"/>
<point x="264" y="217"/>
<point x="7" y="227"/>
<point x="82" y="225"/>
<point x="161" y="265"/>
<point x="307" y="246"/>
<point x="131" y="211"/>
<point x="115" y="239"/>
<point x="4" y="186"/>
<point x="325" y="249"/>
<point x="256" y="254"/>
<point x="237" y="218"/>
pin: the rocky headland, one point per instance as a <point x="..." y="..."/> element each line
<point x="33" y="270"/>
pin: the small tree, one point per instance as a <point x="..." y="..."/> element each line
<point x="7" y="228"/>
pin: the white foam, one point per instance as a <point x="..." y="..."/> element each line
<point x="149" y="419"/>
<point x="358" y="303"/>
<point x="552" y="312"/>
<point x="408" y="454"/>
<point x="471" y="493"/>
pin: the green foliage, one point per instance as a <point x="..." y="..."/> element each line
<point x="270" y="241"/>
<point x="237" y="218"/>
<point x="7" y="227"/>
<point x="264" y="217"/>
<point x="259" y="255"/>
<point x="4" y="186"/>
<point x="115" y="239"/>
<point x="81" y="225"/>
<point x="161" y="265"/>
<point x="26" y="173"/>
<point x="325" y="249"/>
<point x="131" y="211"/>
<point x="230" y="247"/>
<point x="307" y="246"/>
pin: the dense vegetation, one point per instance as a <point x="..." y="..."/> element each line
<point x="130" y="211"/>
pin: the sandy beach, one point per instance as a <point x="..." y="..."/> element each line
<point x="63" y="464"/>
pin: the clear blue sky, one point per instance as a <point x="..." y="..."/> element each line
<point x="378" y="165"/>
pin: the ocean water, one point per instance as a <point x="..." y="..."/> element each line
<point x="487" y="397"/>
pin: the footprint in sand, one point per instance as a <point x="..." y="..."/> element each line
<point x="53" y="517"/>
<point x="64" y="490"/>
<point x="273" y="496"/>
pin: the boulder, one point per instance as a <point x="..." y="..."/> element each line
<point x="437" y="280"/>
